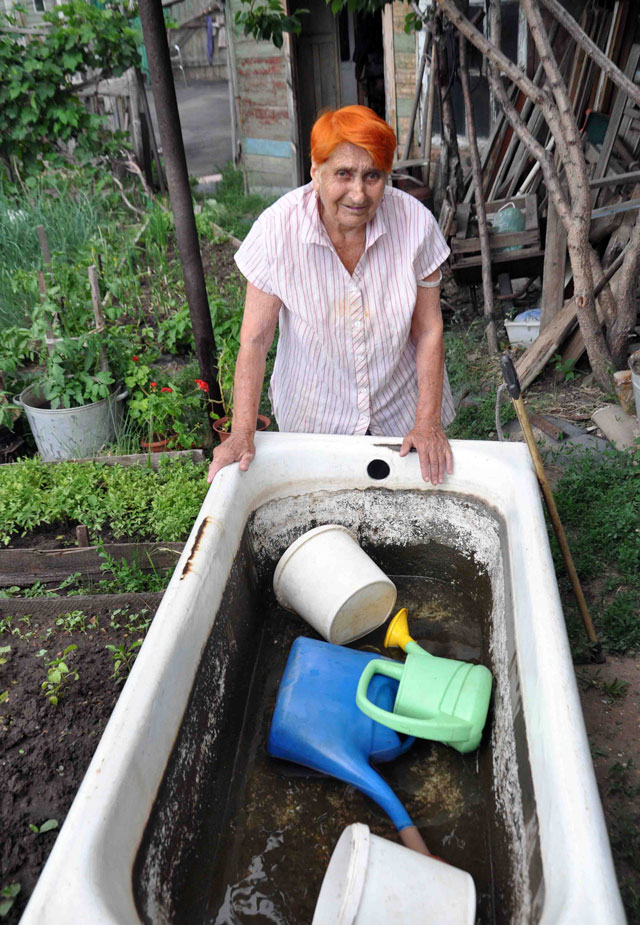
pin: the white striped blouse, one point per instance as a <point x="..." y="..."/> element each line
<point x="345" y="361"/>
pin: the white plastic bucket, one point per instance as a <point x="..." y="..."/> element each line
<point x="71" y="433"/>
<point x="373" y="881"/>
<point x="330" y="581"/>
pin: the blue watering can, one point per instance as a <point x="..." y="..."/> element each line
<point x="316" y="722"/>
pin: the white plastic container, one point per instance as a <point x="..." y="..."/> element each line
<point x="635" y="379"/>
<point x="373" y="881"/>
<point x="330" y="581"/>
<point x="524" y="328"/>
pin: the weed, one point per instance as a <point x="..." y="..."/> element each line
<point x="123" y="658"/>
<point x="564" y="367"/>
<point x="615" y="689"/>
<point x="5" y="652"/>
<point x="8" y="896"/>
<point x="47" y="826"/>
<point x="59" y="676"/>
<point x="73" y="622"/>
<point x="129" y="576"/>
<point x="618" y="780"/>
<point x="4" y="696"/>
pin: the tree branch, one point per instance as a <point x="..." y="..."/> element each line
<point x="496" y="57"/>
<point x="564" y="128"/>
<point x="544" y="157"/>
<point x="605" y="64"/>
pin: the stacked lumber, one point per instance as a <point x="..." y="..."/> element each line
<point x="610" y="126"/>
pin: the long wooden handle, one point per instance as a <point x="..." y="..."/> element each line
<point x="525" y="424"/>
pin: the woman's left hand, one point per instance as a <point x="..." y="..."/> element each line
<point x="434" y="451"/>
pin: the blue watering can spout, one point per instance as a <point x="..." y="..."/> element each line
<point x="316" y="722"/>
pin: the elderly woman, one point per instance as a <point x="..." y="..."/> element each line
<point x="349" y="267"/>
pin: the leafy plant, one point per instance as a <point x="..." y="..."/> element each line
<point x="8" y="896"/>
<point x="41" y="116"/>
<point x="47" y="826"/>
<point x="75" y="621"/>
<point x="267" y="21"/>
<point x="59" y="676"/>
<point x="123" y="658"/>
<point x="129" y="576"/>
<point x="564" y="367"/>
<point x="4" y="651"/>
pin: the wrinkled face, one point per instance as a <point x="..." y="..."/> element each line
<point x="350" y="187"/>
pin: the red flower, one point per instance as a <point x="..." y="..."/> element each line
<point x="165" y="388"/>
<point x="153" y="385"/>
<point x="135" y="359"/>
<point x="204" y="386"/>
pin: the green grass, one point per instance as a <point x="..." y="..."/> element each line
<point x="473" y="372"/>
<point x="598" y="499"/>
<point x="234" y="210"/>
<point x="71" y="212"/>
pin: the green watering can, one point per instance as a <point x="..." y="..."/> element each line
<point x="438" y="698"/>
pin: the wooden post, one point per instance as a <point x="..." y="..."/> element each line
<point x="44" y="245"/>
<point x="97" y="314"/>
<point x="555" y="258"/>
<point x="49" y="340"/>
<point x="483" y="230"/>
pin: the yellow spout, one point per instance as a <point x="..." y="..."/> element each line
<point x="398" y="631"/>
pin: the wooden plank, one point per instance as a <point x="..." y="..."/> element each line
<point x="521" y="263"/>
<point x="616" y="180"/>
<point x="501" y="239"/>
<point x="545" y="426"/>
<point x="616" y="116"/>
<point x="463" y="213"/>
<point x="24" y="566"/>
<point x="555" y="257"/>
<point x="56" y="605"/>
<point x="615" y="207"/>
<point x="536" y="357"/>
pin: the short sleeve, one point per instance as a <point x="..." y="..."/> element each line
<point x="251" y="257"/>
<point x="433" y="251"/>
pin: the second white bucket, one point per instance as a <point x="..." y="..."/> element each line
<point x="373" y="881"/>
<point x="330" y="581"/>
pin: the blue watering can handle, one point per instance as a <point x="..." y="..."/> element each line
<point x="451" y="730"/>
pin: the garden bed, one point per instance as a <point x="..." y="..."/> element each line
<point x="47" y="748"/>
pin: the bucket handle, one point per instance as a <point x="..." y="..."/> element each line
<point x="16" y="400"/>
<point x="451" y="730"/>
<point x="121" y="396"/>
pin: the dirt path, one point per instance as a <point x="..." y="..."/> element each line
<point x="610" y="696"/>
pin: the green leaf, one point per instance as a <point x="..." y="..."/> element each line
<point x="4" y="696"/>
<point x="49" y="825"/>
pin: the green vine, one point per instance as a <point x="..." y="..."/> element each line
<point x="42" y="119"/>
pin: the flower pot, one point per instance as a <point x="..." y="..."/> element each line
<point x="157" y="445"/>
<point x="71" y="433"/>
<point x="262" y="423"/>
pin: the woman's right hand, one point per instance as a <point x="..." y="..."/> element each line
<point x="238" y="447"/>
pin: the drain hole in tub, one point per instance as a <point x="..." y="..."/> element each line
<point x="378" y="469"/>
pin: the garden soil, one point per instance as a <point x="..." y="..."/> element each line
<point x="46" y="749"/>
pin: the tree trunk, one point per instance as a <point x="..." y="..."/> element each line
<point x="483" y="231"/>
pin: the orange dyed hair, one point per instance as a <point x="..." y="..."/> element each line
<point x="357" y="125"/>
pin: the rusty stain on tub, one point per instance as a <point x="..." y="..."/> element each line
<point x="196" y="546"/>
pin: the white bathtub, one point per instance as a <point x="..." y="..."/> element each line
<point x="490" y="510"/>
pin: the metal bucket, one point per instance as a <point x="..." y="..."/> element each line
<point x="71" y="433"/>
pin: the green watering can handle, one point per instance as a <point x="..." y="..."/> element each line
<point x="451" y="730"/>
